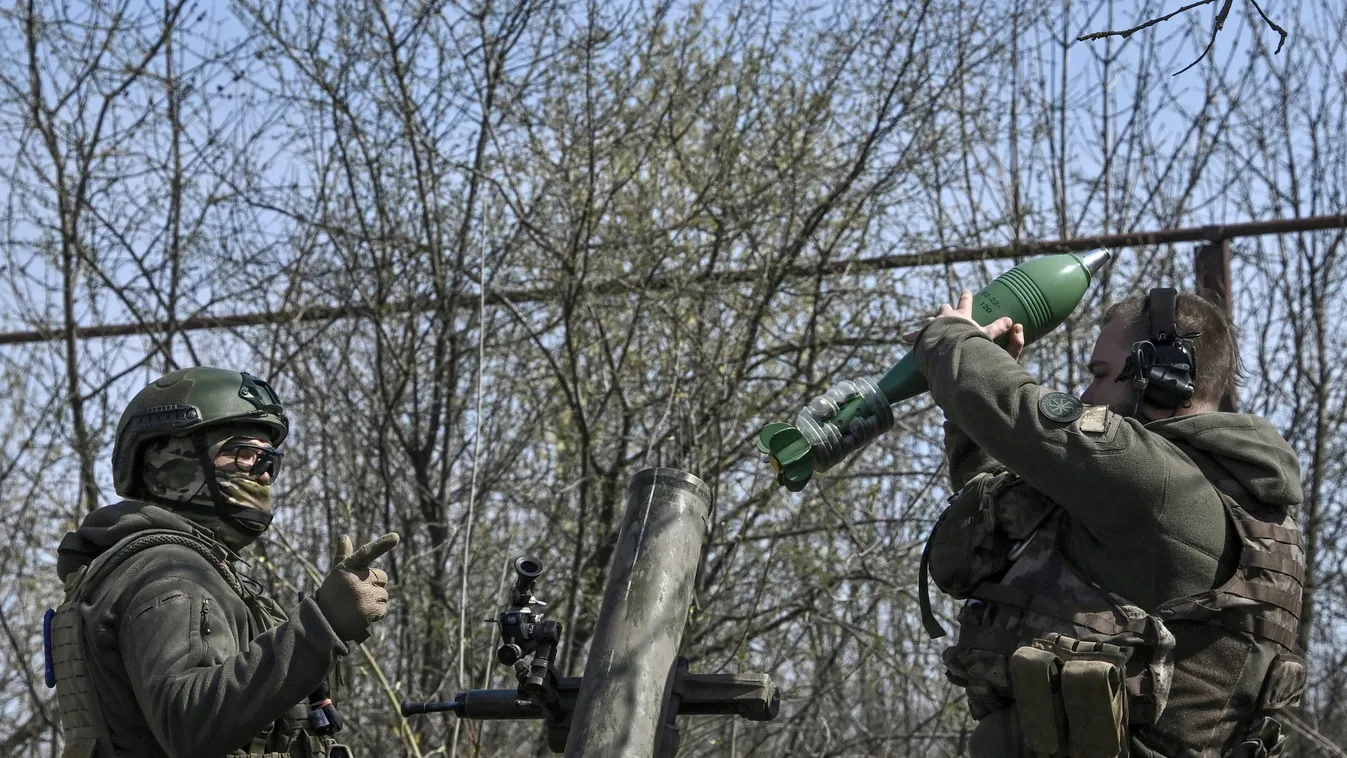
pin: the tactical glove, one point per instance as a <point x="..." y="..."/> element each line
<point x="354" y="595"/>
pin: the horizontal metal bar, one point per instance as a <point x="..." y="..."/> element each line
<point x="624" y="285"/>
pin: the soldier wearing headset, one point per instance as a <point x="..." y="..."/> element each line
<point x="1130" y="560"/>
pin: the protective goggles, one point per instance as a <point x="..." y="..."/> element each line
<point x="253" y="460"/>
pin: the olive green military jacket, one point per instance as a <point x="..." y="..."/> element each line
<point x="182" y="665"/>
<point x="1142" y="517"/>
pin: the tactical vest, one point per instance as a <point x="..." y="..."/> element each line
<point x="1035" y="632"/>
<point x="83" y="724"/>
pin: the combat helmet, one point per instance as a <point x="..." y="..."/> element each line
<point x="186" y="403"/>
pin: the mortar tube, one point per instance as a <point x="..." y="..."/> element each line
<point x="645" y="607"/>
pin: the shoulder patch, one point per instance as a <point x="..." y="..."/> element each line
<point x="1060" y="407"/>
<point x="1094" y="419"/>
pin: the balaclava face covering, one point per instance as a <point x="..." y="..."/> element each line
<point x="173" y="476"/>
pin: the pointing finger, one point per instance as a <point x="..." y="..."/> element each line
<point x="344" y="547"/>
<point x="370" y="551"/>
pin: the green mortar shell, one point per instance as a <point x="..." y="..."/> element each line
<point x="1038" y="293"/>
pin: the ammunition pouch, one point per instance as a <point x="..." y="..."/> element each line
<point x="1071" y="698"/>
<point x="302" y="745"/>
<point x="965" y="547"/>
<point x="977" y="538"/>
<point x="1282" y="687"/>
<point x="292" y="736"/>
<point x="1284" y="683"/>
<point x="978" y="533"/>
<point x="330" y="751"/>
<point x="1264" y="739"/>
<point x="322" y="747"/>
<point x="1036" y="677"/>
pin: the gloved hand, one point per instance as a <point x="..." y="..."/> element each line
<point x="353" y="595"/>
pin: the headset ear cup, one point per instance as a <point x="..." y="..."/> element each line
<point x="1165" y="365"/>
<point x="1169" y="375"/>
<point x="1190" y="350"/>
<point x="1152" y="394"/>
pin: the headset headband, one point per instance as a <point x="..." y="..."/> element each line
<point x="1164" y="315"/>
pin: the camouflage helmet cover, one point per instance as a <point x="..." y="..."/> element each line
<point x="186" y="401"/>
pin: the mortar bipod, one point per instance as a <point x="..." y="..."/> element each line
<point x="750" y="696"/>
<point x="541" y="694"/>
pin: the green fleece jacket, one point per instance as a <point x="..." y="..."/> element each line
<point x="1142" y="517"/>
<point x="183" y="666"/>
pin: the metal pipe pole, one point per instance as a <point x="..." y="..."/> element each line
<point x="645" y="606"/>
<point x="1212" y="264"/>
<point x="681" y="281"/>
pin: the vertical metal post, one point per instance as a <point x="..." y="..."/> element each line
<point x="645" y="605"/>
<point x="1212" y="264"/>
<point x="1213" y="270"/>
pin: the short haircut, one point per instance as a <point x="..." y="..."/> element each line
<point x="1219" y="369"/>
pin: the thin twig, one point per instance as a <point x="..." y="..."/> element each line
<point x="1129" y="32"/>
<point x="1220" y="23"/>
<point x="1270" y="23"/>
<point x="472" y="497"/>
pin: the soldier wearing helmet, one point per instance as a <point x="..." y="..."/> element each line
<point x="162" y="646"/>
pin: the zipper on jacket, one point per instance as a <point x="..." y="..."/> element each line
<point x="205" y="620"/>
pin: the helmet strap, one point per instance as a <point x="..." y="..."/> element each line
<point x="248" y="520"/>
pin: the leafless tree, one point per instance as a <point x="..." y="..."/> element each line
<point x="553" y="244"/>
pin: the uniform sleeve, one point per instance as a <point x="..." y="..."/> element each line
<point x="204" y="691"/>
<point x="1108" y="479"/>
<point x="965" y="458"/>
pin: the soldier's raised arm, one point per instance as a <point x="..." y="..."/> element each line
<point x="1106" y="470"/>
